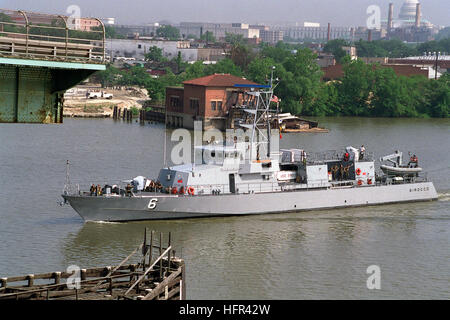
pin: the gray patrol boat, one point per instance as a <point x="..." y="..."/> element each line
<point x="254" y="176"/>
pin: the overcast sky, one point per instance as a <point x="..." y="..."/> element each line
<point x="338" y="12"/>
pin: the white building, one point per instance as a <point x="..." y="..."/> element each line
<point x="219" y="30"/>
<point x="137" y="48"/>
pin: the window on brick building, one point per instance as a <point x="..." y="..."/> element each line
<point x="216" y="105"/>
<point x="175" y="101"/>
<point x="194" y="103"/>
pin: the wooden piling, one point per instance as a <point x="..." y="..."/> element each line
<point x="30" y="280"/>
<point x="169" y="255"/>
<point x="150" y="254"/>
<point x="115" y="113"/>
<point x="108" y="282"/>
<point x="57" y="276"/>
<point x="160" y="253"/>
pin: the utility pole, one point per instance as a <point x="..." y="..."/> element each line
<point x="436" y="66"/>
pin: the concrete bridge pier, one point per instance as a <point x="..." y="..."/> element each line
<point x="32" y="91"/>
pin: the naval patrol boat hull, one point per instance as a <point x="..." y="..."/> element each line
<point x="157" y="206"/>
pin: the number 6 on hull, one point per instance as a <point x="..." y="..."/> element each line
<point x="152" y="203"/>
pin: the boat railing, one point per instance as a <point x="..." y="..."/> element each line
<point x="240" y="188"/>
<point x="330" y="155"/>
<point x="215" y="189"/>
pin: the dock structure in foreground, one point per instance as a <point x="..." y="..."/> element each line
<point x="158" y="276"/>
<point x="41" y="56"/>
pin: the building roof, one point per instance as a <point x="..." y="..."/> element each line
<point x="219" y="80"/>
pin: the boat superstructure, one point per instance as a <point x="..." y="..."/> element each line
<point x="249" y="174"/>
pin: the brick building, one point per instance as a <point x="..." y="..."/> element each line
<point x="335" y="72"/>
<point x="208" y="99"/>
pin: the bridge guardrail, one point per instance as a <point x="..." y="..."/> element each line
<point x="51" y="37"/>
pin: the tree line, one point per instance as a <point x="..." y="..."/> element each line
<point x="364" y="90"/>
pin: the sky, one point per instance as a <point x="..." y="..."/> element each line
<point x="337" y="12"/>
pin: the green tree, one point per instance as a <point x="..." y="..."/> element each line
<point x="277" y="53"/>
<point x="111" y="76"/>
<point x="224" y="66"/>
<point x="390" y="95"/>
<point x="335" y="47"/>
<point x="193" y="71"/>
<point x="168" y="32"/>
<point x="241" y="55"/>
<point x="155" y="54"/>
<point x="208" y="36"/>
<point x="260" y="69"/>
<point x="299" y="81"/>
<point x="111" y="32"/>
<point x="355" y="88"/>
<point x="443" y="34"/>
<point x="439" y="105"/>
<point x="234" y="39"/>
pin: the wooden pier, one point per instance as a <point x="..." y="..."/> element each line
<point x="158" y="276"/>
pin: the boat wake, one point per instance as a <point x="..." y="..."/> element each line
<point x="102" y="222"/>
<point x="444" y="196"/>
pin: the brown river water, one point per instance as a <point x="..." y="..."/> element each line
<point x="305" y="255"/>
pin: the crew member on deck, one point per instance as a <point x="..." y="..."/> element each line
<point x="92" y="190"/>
<point x="341" y="171"/>
<point x="414" y="162"/>
<point x="362" y="150"/>
<point x="346" y="156"/>
<point x="334" y="170"/>
<point x="128" y="189"/>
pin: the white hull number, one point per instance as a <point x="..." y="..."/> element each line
<point x="152" y="203"/>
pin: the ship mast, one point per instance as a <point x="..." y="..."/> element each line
<point x="259" y="116"/>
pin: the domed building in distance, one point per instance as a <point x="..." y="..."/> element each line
<point x="409" y="26"/>
<point x="408" y="10"/>
<point x="408" y="15"/>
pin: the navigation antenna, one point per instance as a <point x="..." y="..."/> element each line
<point x="260" y="115"/>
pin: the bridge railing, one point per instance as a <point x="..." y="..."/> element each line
<point x="51" y="37"/>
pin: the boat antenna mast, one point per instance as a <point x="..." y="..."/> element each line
<point x="67" y="184"/>
<point x="259" y="115"/>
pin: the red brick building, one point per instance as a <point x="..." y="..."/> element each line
<point x="208" y="99"/>
<point x="336" y="72"/>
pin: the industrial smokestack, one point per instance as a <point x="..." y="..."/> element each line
<point x="418" y="15"/>
<point x="329" y="32"/>
<point x="390" y="16"/>
<point x="369" y="36"/>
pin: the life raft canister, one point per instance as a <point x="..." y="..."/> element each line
<point x="190" y="191"/>
<point x="358" y="171"/>
<point x="360" y="182"/>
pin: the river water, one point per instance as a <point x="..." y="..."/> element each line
<point x="306" y="255"/>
